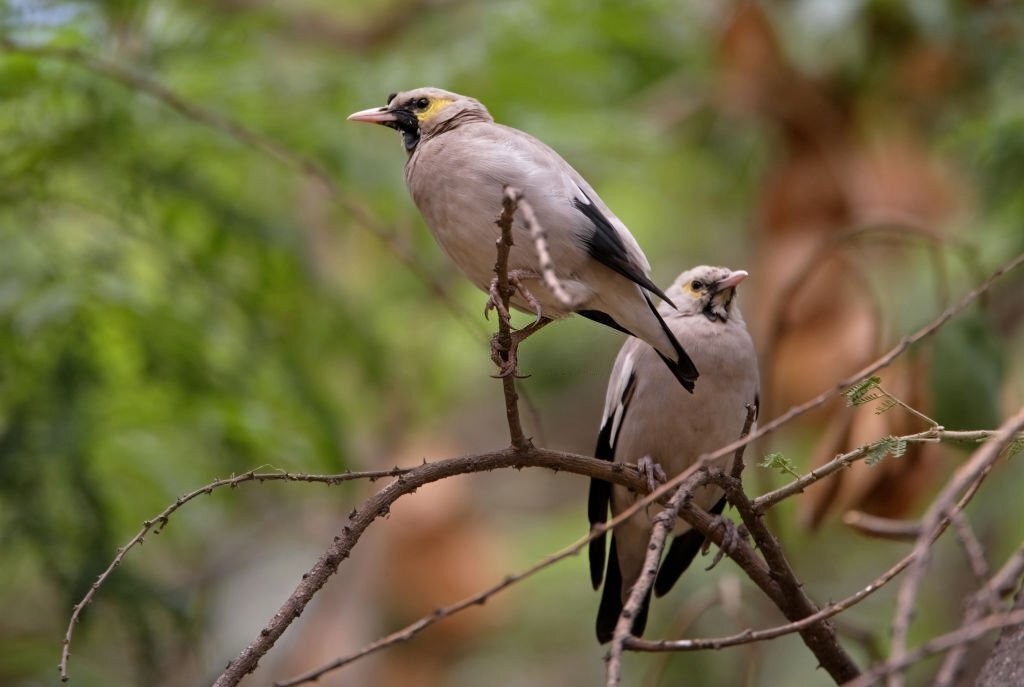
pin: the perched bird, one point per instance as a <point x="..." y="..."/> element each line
<point x="460" y="160"/>
<point x="648" y="420"/>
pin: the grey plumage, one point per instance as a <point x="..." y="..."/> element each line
<point x="459" y="160"/>
<point x="647" y="415"/>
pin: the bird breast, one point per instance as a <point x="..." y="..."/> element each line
<point x="457" y="180"/>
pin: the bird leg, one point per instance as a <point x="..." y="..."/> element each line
<point x="651" y="473"/>
<point x="506" y="359"/>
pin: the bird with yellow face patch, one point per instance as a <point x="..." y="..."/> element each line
<point x="649" y="421"/>
<point x="460" y="160"/>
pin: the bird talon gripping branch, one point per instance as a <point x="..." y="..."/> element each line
<point x="515" y="278"/>
<point x="494" y="302"/>
<point x="652" y="473"/>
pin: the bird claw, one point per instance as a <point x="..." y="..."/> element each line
<point x="506" y="359"/>
<point x="515" y="277"/>
<point x="730" y="537"/>
<point x="494" y="302"/>
<point x="651" y="472"/>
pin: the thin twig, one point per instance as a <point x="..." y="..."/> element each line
<point x="509" y="201"/>
<point x="478" y="599"/>
<point x="159" y="521"/>
<point x="985" y="600"/>
<point x="540" y="245"/>
<point x="882" y="528"/>
<point x="1001" y="581"/>
<point x="973" y="549"/>
<point x="975" y="468"/>
<point x="959" y="637"/>
<point x="794" y="603"/>
<point x="766" y="501"/>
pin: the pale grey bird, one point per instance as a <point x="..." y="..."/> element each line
<point x="649" y="421"/>
<point x="460" y="160"/>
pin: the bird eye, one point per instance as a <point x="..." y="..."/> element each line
<point x="422" y="103"/>
<point x="697" y="285"/>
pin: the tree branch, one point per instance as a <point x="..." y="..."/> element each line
<point x="509" y="202"/>
<point x="820" y="637"/>
<point x="970" y="473"/>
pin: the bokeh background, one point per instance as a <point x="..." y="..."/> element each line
<point x="179" y="302"/>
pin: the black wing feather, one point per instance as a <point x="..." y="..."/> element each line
<point x="600" y="495"/>
<point x="605" y="246"/>
<point x="603" y="318"/>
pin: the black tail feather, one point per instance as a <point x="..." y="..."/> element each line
<point x="611" y="602"/>
<point x="600" y="495"/>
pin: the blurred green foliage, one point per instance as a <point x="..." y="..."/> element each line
<point x="176" y="305"/>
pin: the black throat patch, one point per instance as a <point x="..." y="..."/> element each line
<point x="406" y="124"/>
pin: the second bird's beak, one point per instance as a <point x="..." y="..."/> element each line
<point x="732" y="281"/>
<point x="375" y="115"/>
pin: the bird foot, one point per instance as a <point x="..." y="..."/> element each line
<point x="515" y="277"/>
<point x="506" y="358"/>
<point x="651" y="472"/>
<point x="731" y="536"/>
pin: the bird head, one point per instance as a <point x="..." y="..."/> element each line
<point x="707" y="291"/>
<point x="422" y="113"/>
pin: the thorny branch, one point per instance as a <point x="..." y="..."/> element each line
<point x="819" y="637"/>
<point x="961" y="636"/>
<point x="509" y="202"/>
<point x="971" y="472"/>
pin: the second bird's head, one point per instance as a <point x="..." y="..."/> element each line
<point x="707" y="291"/>
<point x="424" y="112"/>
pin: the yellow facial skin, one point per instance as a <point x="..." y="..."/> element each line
<point x="433" y="109"/>
<point x="696" y="293"/>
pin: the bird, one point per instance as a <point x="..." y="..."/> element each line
<point x="459" y="161"/>
<point x="649" y="421"/>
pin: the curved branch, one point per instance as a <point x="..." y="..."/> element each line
<point x="379" y="504"/>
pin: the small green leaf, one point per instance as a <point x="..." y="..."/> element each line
<point x="863" y="391"/>
<point x="884" y="447"/>
<point x="777" y="461"/>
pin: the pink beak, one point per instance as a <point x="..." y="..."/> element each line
<point x="375" y="115"/>
<point x="732" y="280"/>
